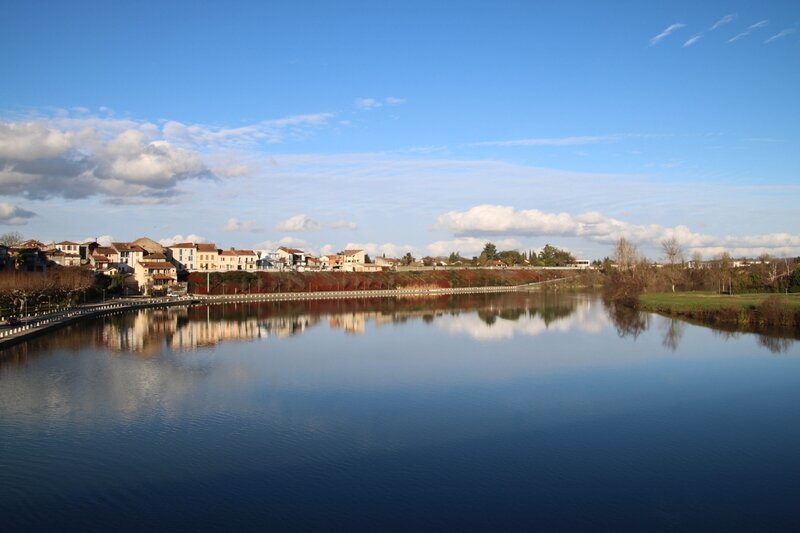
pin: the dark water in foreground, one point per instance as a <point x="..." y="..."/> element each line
<point x="483" y="412"/>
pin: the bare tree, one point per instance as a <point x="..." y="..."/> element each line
<point x="625" y="254"/>
<point x="697" y="259"/>
<point x="11" y="238"/>
<point x="673" y="251"/>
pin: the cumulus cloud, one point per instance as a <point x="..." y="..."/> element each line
<point x="175" y="239"/>
<point x="298" y="223"/>
<point x="497" y="220"/>
<point x="13" y="215"/>
<point x="102" y="240"/>
<point x="749" y="30"/>
<point x="287" y="242"/>
<point x="75" y="159"/>
<point x="234" y="224"/>
<point x="664" y="34"/>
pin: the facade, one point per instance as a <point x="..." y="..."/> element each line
<point x="64" y="259"/>
<point x="350" y="259"/>
<point x="126" y="255"/>
<point x="207" y="257"/>
<point x="291" y="257"/>
<point x="244" y="260"/>
<point x="68" y="247"/>
<point x="184" y="256"/>
<point x="154" y="276"/>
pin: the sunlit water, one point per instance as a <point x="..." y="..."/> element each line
<point x="505" y="411"/>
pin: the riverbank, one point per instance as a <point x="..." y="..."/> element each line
<point x="739" y="310"/>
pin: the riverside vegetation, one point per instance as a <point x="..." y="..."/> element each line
<point x="757" y="295"/>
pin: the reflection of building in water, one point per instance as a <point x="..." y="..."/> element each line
<point x="198" y="334"/>
<point x="352" y="323"/>
<point x="153" y="331"/>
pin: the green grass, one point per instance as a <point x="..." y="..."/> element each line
<point x="700" y="301"/>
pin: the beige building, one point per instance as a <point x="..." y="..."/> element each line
<point x="237" y="260"/>
<point x="207" y="257"/>
<point x="68" y="247"/>
<point x="349" y="259"/>
<point x="184" y="255"/>
<point x="126" y="255"/>
<point x="154" y="276"/>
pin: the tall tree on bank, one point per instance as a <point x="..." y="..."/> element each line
<point x="673" y="252"/>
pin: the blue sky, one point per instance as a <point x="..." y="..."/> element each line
<point x="429" y="127"/>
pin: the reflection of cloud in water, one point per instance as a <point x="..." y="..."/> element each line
<point x="584" y="317"/>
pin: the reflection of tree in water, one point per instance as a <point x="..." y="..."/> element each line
<point x="628" y="321"/>
<point x="489" y="316"/>
<point x="673" y="334"/>
<point x="548" y="307"/>
<point x="775" y="344"/>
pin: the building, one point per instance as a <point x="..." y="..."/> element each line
<point x="237" y="260"/>
<point x="350" y="258"/>
<point x="184" y="256"/>
<point x="154" y="276"/>
<point x="126" y="255"/>
<point x="207" y="257"/>
<point x="68" y="247"/>
<point x="291" y="257"/>
<point x="64" y="259"/>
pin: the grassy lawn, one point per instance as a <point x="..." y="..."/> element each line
<point x="693" y="301"/>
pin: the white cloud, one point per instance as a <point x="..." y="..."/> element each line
<point x="724" y="20"/>
<point x="692" y="40"/>
<point x="780" y="35"/>
<point x="374" y="249"/>
<point x="288" y="242"/>
<point x="234" y="224"/>
<point x="499" y="220"/>
<point x="470" y="246"/>
<point x="102" y="240"/>
<point x="749" y="30"/>
<point x="343" y="224"/>
<point x="13" y="215"/>
<point x="78" y="158"/>
<point x="367" y="104"/>
<point x="553" y="141"/>
<point x="299" y="223"/>
<point x="272" y="131"/>
<point x="671" y="28"/>
<point x="175" y="239"/>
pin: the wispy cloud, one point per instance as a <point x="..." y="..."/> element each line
<point x="550" y="141"/>
<point x="692" y="40"/>
<point x="749" y="30"/>
<point x="723" y="21"/>
<point x="368" y="104"/>
<point x="344" y="225"/>
<point x="664" y="34"/>
<point x="781" y="35"/>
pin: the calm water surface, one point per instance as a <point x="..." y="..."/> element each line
<point x="504" y="411"/>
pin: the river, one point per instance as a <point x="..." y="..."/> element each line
<point x="494" y="411"/>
